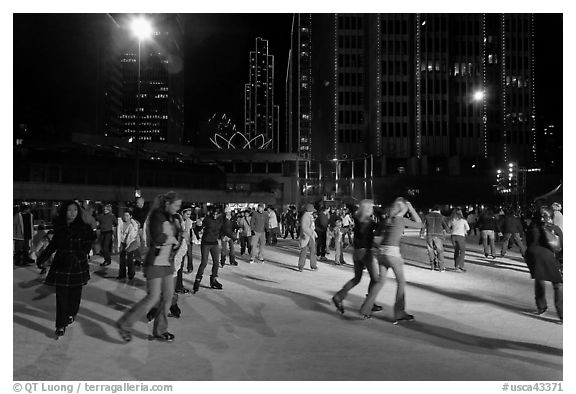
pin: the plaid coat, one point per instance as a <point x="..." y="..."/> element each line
<point x="72" y="244"/>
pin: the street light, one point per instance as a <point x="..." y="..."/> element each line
<point x="142" y="29"/>
<point x="479" y="95"/>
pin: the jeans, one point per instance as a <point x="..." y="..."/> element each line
<point x="212" y="250"/>
<point x="321" y="245"/>
<point x="160" y="292"/>
<point x="179" y="274"/>
<point x="487" y="236"/>
<point x="516" y="237"/>
<point x="362" y="259"/>
<point x="289" y="229"/>
<point x="140" y="253"/>
<point x="459" y="242"/>
<point x="21" y="251"/>
<point x="190" y="258"/>
<point x="273" y="234"/>
<point x="338" y="251"/>
<point x="245" y="243"/>
<point x="107" y="245"/>
<point x="258" y="243"/>
<point x="397" y="265"/>
<point x="311" y="246"/>
<point x="347" y="232"/>
<point x="126" y="263"/>
<point x="227" y="250"/>
<point x="435" y="246"/>
<point x="67" y="304"/>
<point x="540" y="296"/>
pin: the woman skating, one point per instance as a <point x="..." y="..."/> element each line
<point x="158" y="269"/>
<point x="459" y="227"/>
<point x="388" y="244"/>
<point x="69" y="271"/>
<point x="545" y="241"/>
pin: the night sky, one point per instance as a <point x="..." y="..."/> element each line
<point x="55" y="74"/>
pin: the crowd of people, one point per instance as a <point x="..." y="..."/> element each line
<point x="159" y="240"/>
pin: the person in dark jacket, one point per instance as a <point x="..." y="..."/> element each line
<point x="542" y="258"/>
<point x="245" y="232"/>
<point x="290" y="219"/>
<point x="107" y="221"/>
<point x="258" y="224"/>
<point x="488" y="225"/>
<point x="321" y="228"/>
<point x="436" y="227"/>
<point x="140" y="213"/>
<point x="512" y="228"/>
<point x="69" y="271"/>
<point x="162" y="235"/>
<point x="212" y="225"/>
<point x="227" y="238"/>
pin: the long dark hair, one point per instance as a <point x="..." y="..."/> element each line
<point x="62" y="212"/>
<point x="160" y="201"/>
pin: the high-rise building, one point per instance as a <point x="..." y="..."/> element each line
<point x="110" y="87"/>
<point x="160" y="115"/>
<point x="298" y="136"/>
<point x="421" y="93"/>
<point x="259" y="94"/>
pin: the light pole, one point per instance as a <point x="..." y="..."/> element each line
<point x="142" y="29"/>
<point x="335" y="160"/>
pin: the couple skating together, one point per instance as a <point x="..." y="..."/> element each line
<point x="377" y="248"/>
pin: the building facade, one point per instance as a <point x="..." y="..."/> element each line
<point x="158" y="113"/>
<point x="259" y="94"/>
<point x="422" y="93"/>
<point x="298" y="135"/>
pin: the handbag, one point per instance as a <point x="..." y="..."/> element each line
<point x="552" y="240"/>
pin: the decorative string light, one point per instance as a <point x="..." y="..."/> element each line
<point x="335" y="85"/>
<point x="484" y="100"/>
<point x="378" y="87"/>
<point x="309" y="89"/>
<point x="504" y="86"/>
<point x="418" y="87"/>
<point x="533" y="88"/>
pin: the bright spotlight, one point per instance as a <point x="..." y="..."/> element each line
<point x="141" y="28"/>
<point x="479" y="96"/>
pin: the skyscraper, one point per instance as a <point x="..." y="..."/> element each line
<point x="160" y="117"/>
<point x="422" y="92"/>
<point x="298" y="136"/>
<point x="259" y="94"/>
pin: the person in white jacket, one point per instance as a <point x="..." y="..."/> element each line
<point x="307" y="239"/>
<point x="128" y="243"/>
<point x="459" y="228"/>
<point x="273" y="227"/>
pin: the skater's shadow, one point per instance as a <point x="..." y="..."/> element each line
<point x="303" y="301"/>
<point x="43" y="291"/>
<point x="259" y="279"/>
<point x="237" y="317"/>
<point x="467" y="297"/>
<point x="446" y="337"/>
<point x="537" y="317"/>
<point x="45" y="330"/>
<point x="27" y="284"/>
<point x="90" y="327"/>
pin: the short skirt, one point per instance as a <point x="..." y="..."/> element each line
<point x="158" y="271"/>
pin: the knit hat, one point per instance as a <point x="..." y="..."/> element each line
<point x="310" y="208"/>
